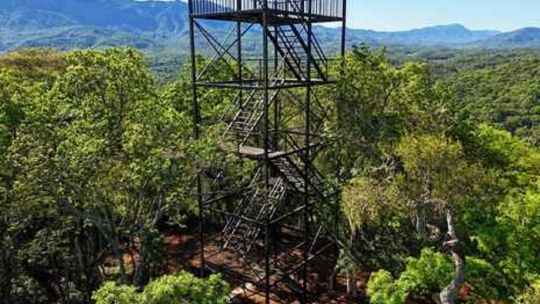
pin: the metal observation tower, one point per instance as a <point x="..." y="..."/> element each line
<point x="272" y="237"/>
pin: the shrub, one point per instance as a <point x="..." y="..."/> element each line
<point x="531" y="295"/>
<point x="382" y="289"/>
<point x="111" y="293"/>
<point x="180" y="288"/>
<point x="429" y="274"/>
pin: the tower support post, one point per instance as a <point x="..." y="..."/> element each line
<point x="196" y="134"/>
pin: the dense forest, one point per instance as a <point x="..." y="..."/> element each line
<point x="436" y="155"/>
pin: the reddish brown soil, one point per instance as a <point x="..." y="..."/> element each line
<point x="183" y="254"/>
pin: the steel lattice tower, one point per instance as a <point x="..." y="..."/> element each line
<point x="273" y="231"/>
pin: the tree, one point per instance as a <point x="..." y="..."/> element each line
<point x="374" y="103"/>
<point x="437" y="175"/>
<point x="96" y="160"/>
<point x="376" y="225"/>
<point x="377" y="104"/>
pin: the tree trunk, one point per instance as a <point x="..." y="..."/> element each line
<point x="333" y="279"/>
<point x="140" y="267"/>
<point x="451" y="244"/>
<point x="118" y="253"/>
<point x="352" y="291"/>
<point x="420" y="207"/>
<point x="5" y="279"/>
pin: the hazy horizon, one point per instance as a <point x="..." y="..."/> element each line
<point x="396" y="15"/>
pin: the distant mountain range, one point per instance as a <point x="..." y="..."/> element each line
<point x="525" y="38"/>
<point x="445" y="35"/>
<point x="69" y="24"/>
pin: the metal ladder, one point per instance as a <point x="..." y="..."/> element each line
<point x="250" y="115"/>
<point x="291" y="43"/>
<point x="241" y="234"/>
<point x="294" y="176"/>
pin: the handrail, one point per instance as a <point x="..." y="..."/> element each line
<point x="326" y="8"/>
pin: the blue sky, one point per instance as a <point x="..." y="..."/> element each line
<point x="391" y="15"/>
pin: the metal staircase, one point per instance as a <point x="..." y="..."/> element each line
<point x="294" y="176"/>
<point x="249" y="116"/>
<point x="241" y="234"/>
<point x="291" y="42"/>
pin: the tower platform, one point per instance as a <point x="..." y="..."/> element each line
<point x="278" y="12"/>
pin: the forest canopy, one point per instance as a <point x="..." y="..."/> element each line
<point x="439" y="177"/>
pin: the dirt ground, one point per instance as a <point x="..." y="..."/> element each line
<point x="183" y="254"/>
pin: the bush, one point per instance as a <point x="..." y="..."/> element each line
<point x="111" y="293"/>
<point x="382" y="289"/>
<point x="429" y="274"/>
<point x="422" y="276"/>
<point x="531" y="295"/>
<point x="180" y="288"/>
<point x="185" y="288"/>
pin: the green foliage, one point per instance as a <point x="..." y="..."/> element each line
<point x="390" y="152"/>
<point x="382" y="289"/>
<point x="36" y="64"/>
<point x="486" y="279"/>
<point x="422" y="276"/>
<point x="505" y="95"/>
<point x="185" y="288"/>
<point x="180" y="288"/>
<point x="531" y="295"/>
<point x="94" y="160"/>
<point x="365" y="202"/>
<point x="513" y="242"/>
<point x="374" y="102"/>
<point x="377" y="103"/>
<point x="371" y="207"/>
<point x="517" y="161"/>
<point x="111" y="293"/>
<point x="427" y="275"/>
<point x="441" y="162"/>
<point x="519" y="217"/>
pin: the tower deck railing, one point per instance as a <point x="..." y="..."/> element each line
<point x="324" y="8"/>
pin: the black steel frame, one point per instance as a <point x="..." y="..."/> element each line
<point x="292" y="59"/>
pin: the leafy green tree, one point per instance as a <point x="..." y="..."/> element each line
<point x="512" y="241"/>
<point x="378" y="106"/>
<point x="376" y="223"/>
<point x="438" y="176"/>
<point x="94" y="160"/>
